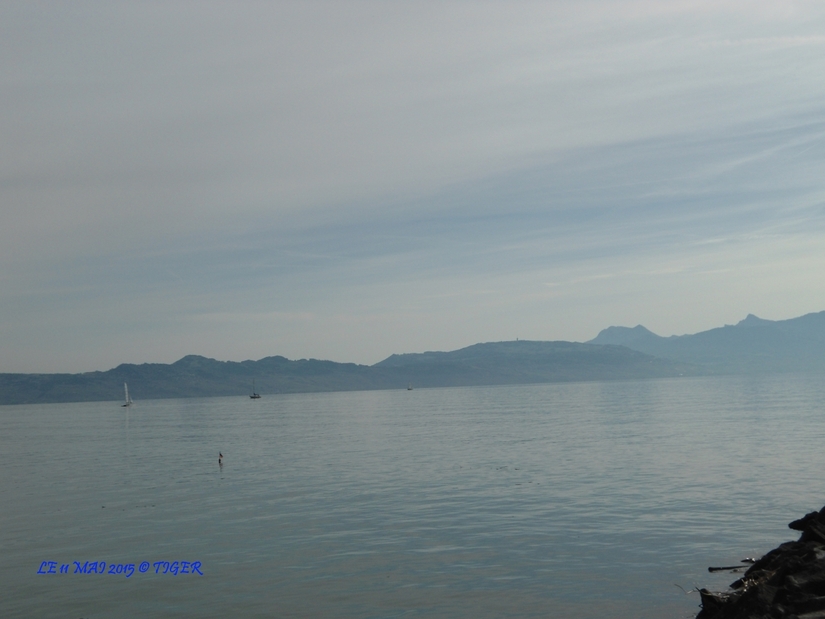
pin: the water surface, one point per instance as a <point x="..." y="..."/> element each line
<point x="574" y="500"/>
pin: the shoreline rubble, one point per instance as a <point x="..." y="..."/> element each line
<point x="787" y="583"/>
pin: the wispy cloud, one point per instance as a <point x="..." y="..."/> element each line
<point x="353" y="180"/>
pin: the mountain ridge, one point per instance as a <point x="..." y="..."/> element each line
<point x="752" y="346"/>
<point x="491" y="363"/>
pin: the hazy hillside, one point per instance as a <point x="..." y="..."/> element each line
<point x="191" y="376"/>
<point x="753" y="345"/>
<point x="529" y="362"/>
<point x="482" y="364"/>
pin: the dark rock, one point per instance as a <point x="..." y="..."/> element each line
<point x="786" y="583"/>
<point x="811" y="604"/>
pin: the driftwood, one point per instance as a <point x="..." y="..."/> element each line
<point x="787" y="583"/>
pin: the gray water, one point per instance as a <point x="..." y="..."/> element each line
<point x="570" y="500"/>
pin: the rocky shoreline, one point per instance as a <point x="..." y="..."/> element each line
<point x="786" y="583"/>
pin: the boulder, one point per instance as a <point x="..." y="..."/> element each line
<point x="788" y="582"/>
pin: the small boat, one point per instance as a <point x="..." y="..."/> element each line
<point x="128" y="401"/>
<point x="255" y="395"/>
<point x="409" y="387"/>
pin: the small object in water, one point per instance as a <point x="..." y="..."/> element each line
<point x="220" y="458"/>
<point x="128" y="399"/>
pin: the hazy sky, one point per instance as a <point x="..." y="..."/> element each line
<point x="348" y="180"/>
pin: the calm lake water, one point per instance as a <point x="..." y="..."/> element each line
<point x="572" y="500"/>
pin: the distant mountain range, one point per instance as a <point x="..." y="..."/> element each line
<point x="482" y="364"/>
<point x="753" y="345"/>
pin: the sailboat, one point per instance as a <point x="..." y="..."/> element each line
<point x="128" y="401"/>
<point x="255" y="395"/>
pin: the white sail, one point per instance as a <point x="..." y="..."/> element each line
<point x="128" y="401"/>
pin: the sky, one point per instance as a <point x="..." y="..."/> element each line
<point x="348" y="180"/>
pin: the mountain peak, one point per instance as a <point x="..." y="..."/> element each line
<point x="753" y="321"/>
<point x="624" y="336"/>
<point x="192" y="360"/>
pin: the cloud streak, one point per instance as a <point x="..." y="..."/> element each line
<point x="362" y="179"/>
